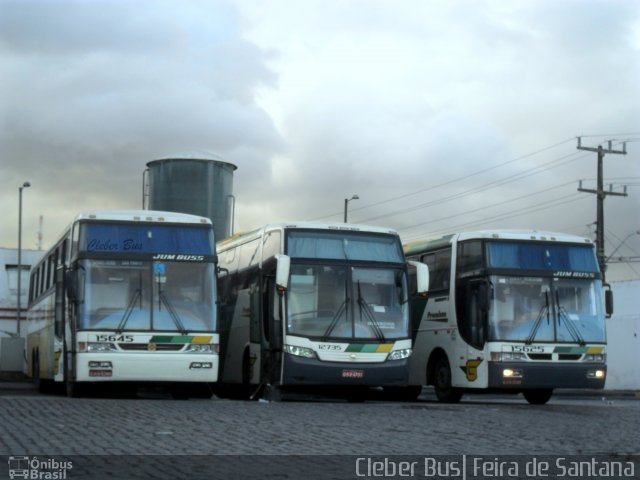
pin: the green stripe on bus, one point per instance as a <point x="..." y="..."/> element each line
<point x="171" y="339"/>
<point x="368" y="347"/>
<point x="575" y="350"/>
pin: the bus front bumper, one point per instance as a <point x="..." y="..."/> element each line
<point x="521" y="375"/>
<point x="300" y="371"/>
<point x="146" y="367"/>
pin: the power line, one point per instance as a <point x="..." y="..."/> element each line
<point x="568" y="199"/>
<point x="485" y="207"/>
<point x="449" y="182"/>
<point x="503" y="181"/>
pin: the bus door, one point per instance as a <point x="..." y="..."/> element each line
<point x="252" y="365"/>
<point x="273" y="331"/>
<point x="74" y="283"/>
<point x="59" y="325"/>
<point x="472" y="304"/>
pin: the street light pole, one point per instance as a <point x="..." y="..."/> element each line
<point x="346" y="204"/>
<point x="18" y="310"/>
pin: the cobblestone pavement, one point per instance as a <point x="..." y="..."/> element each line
<point x="38" y="424"/>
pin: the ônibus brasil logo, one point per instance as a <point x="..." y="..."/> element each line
<point x="38" y="469"/>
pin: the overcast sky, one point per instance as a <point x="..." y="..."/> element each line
<point x="439" y="115"/>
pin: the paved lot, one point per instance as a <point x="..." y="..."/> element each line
<point x="156" y="425"/>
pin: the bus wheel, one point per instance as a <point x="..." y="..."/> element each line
<point x="72" y="388"/>
<point x="442" y="383"/>
<point x="538" y="396"/>
<point x="35" y="371"/>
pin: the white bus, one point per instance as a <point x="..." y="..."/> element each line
<point x="518" y="311"/>
<point x="126" y="296"/>
<point x="307" y="304"/>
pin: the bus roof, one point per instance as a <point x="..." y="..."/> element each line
<point x="343" y="227"/>
<point x="419" y="246"/>
<point x="141" y="216"/>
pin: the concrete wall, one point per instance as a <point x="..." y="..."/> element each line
<point x="9" y="286"/>
<point x="623" y="337"/>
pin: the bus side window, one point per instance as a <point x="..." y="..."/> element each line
<point x="470" y="257"/>
<point x="439" y="264"/>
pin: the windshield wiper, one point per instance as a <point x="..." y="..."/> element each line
<point x="172" y="312"/>
<point x="544" y="309"/>
<point x="127" y="313"/>
<point x="334" y="320"/>
<point x="571" y="328"/>
<point x="364" y="306"/>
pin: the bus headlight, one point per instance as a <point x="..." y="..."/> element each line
<point x="97" y="347"/>
<point x="299" y="351"/>
<point x="202" y="348"/>
<point x="400" y="354"/>
<point x="511" y="373"/>
<point x="595" y="357"/>
<point x="507" y="356"/>
<point x="595" y="374"/>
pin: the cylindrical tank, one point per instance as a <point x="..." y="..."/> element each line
<point x="199" y="186"/>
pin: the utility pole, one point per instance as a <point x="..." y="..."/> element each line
<point x="601" y="194"/>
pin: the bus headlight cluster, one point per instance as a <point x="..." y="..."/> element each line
<point x="97" y="347"/>
<point x="511" y="373"/>
<point x="595" y="357"/>
<point x="299" y="351"/>
<point x="202" y="348"/>
<point x="507" y="356"/>
<point x="400" y="354"/>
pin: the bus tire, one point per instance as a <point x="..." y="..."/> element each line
<point x="538" y="396"/>
<point x="72" y="388"/>
<point x="442" y="383"/>
<point x="35" y="370"/>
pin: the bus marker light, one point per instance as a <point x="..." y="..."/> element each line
<point x="200" y="365"/>
<point x="100" y="364"/>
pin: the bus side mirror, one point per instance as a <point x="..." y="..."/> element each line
<point x="422" y="277"/>
<point x="71" y="284"/>
<point x="75" y="284"/>
<point x="60" y="306"/>
<point x="483" y="297"/>
<point x="608" y="300"/>
<point x="282" y="272"/>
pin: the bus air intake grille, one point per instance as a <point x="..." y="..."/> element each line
<point x="158" y="347"/>
<point x="569" y="356"/>
<point x="540" y="356"/>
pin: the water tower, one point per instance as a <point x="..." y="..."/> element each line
<point x="192" y="184"/>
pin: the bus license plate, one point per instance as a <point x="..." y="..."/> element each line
<point x="350" y="373"/>
<point x="100" y="373"/>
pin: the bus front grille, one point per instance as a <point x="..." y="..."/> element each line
<point x="146" y="347"/>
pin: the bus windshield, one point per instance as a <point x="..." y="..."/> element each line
<point x="146" y="295"/>
<point x="540" y="309"/>
<point x="328" y="301"/>
<point x="344" y="246"/>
